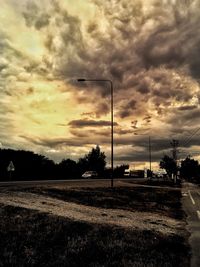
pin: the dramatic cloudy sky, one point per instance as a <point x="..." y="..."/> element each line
<point x="150" y="49"/>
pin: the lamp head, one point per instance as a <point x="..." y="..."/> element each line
<point x="81" y="80"/>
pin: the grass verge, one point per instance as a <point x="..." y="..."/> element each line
<point x="161" y="200"/>
<point x="30" y="238"/>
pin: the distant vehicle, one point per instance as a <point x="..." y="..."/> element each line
<point x="133" y="173"/>
<point x="90" y="174"/>
<point x="161" y="173"/>
<point x="127" y="173"/>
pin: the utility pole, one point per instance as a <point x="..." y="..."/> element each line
<point x="175" y="151"/>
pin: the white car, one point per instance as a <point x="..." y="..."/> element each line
<point x="89" y="174"/>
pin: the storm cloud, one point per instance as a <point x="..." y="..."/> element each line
<point x="152" y="59"/>
<point x="148" y="48"/>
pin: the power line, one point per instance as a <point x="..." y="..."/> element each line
<point x="186" y="141"/>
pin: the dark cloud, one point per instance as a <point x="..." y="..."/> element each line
<point x="34" y="16"/>
<point x="187" y="107"/>
<point x="151" y="54"/>
<point x="134" y="124"/>
<point x="143" y="87"/>
<point x="102" y="108"/>
<point x="175" y="41"/>
<point x="79" y="133"/>
<point x="31" y="13"/>
<point x="87" y="133"/>
<point x="88" y="114"/>
<point x="145" y="59"/>
<point x="30" y="91"/>
<point x="3" y="64"/>
<point x="162" y="48"/>
<point x="147" y="120"/>
<point x="163" y="37"/>
<point x="139" y="151"/>
<point x="31" y="66"/>
<point x="128" y="108"/>
<point x="42" y="21"/>
<point x="187" y="117"/>
<point x="97" y="132"/>
<point x="151" y="48"/>
<point x="56" y="142"/>
<point x="92" y="27"/>
<point x="190" y="142"/>
<point x="8" y="50"/>
<point x="137" y="157"/>
<point x="122" y="131"/>
<point x="89" y="123"/>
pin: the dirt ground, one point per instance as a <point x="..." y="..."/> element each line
<point x="118" y="217"/>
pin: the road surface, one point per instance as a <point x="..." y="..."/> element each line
<point x="75" y="182"/>
<point x="191" y="205"/>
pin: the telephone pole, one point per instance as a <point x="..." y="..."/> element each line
<point x="175" y="144"/>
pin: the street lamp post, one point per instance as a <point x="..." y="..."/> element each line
<point x="111" y="112"/>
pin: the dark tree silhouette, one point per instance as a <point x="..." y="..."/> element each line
<point x="28" y="165"/>
<point x="31" y="166"/>
<point x="82" y="165"/>
<point x="189" y="169"/>
<point x="168" y="164"/>
<point x="93" y="161"/>
<point x="119" y="170"/>
<point x="96" y="160"/>
<point x="68" y="168"/>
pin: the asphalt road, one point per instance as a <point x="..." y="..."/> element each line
<point x="75" y="182"/>
<point x="191" y="205"/>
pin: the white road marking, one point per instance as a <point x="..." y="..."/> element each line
<point x="198" y="214"/>
<point x="198" y="193"/>
<point x="193" y="202"/>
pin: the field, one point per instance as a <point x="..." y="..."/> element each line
<point x="125" y="226"/>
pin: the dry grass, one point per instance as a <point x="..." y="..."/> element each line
<point x="161" y="200"/>
<point x="30" y="238"/>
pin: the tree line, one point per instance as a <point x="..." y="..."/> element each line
<point x="31" y="166"/>
<point x="188" y="169"/>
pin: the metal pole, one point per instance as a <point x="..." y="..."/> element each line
<point x="112" y="117"/>
<point x="111" y="86"/>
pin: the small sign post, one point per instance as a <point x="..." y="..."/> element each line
<point x="10" y="169"/>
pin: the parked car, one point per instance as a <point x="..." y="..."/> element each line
<point x="90" y="174"/>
